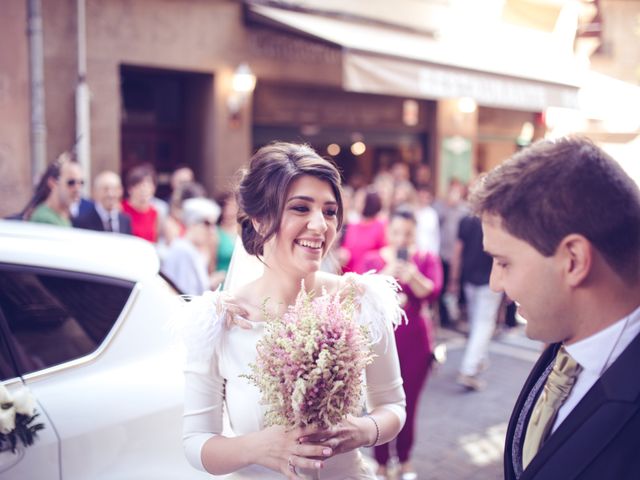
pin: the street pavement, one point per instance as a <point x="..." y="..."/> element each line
<point x="460" y="433"/>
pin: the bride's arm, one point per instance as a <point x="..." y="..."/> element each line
<point x="385" y="394"/>
<point x="208" y="450"/>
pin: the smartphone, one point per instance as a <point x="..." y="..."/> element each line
<point x="402" y="254"/>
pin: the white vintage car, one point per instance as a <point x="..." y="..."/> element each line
<point x="84" y="325"/>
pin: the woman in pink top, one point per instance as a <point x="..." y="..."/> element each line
<point x="366" y="235"/>
<point x="141" y="188"/>
<point x="420" y="276"/>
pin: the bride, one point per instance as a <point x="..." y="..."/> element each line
<point x="290" y="211"/>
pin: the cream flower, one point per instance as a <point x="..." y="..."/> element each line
<point x="7" y="411"/>
<point x="5" y="396"/>
<point x="24" y="402"/>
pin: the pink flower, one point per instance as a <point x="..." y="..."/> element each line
<point x="310" y="362"/>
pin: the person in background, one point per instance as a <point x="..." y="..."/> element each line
<point x="404" y="196"/>
<point x="141" y="186"/>
<point x="352" y="201"/>
<point x="471" y="266"/>
<point x="104" y="213"/>
<point x="227" y="230"/>
<point x="400" y="172"/>
<point x="80" y="207"/>
<point x="180" y="176"/>
<point x="173" y="227"/>
<point x="366" y="235"/>
<point x="422" y="174"/>
<point x="187" y="259"/>
<point x="384" y="184"/>
<point x="420" y="276"/>
<point x="428" y="224"/>
<point x="451" y="210"/>
<point x="58" y="188"/>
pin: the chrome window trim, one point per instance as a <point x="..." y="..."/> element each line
<point x="10" y="382"/>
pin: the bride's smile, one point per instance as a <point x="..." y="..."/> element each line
<point x="307" y="229"/>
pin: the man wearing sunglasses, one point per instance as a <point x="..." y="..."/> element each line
<point x="64" y="190"/>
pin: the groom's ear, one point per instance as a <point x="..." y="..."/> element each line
<point x="576" y="254"/>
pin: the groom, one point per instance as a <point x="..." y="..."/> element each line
<point x="562" y="222"/>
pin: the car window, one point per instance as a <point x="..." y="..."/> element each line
<point x="7" y="365"/>
<point x="56" y="316"/>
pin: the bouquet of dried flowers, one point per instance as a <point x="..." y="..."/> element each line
<point x="310" y="362"/>
<point x="17" y="414"/>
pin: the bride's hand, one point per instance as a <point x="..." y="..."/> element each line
<point x="234" y="314"/>
<point x="351" y="433"/>
<point x="285" y="453"/>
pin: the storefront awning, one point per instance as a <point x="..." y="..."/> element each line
<point x="389" y="61"/>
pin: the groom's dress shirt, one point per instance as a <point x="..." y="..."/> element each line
<point x="594" y="353"/>
<point x="595" y="434"/>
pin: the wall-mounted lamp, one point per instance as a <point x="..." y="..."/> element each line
<point x="358" y="148"/>
<point x="243" y="83"/>
<point x="467" y="105"/>
<point x="333" y="149"/>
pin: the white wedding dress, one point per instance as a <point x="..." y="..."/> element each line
<point x="217" y="356"/>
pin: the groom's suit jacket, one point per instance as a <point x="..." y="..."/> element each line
<point x="600" y="439"/>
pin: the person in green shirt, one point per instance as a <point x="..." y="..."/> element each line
<point x="58" y="188"/>
<point x="227" y="230"/>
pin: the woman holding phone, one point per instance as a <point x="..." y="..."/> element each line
<point x="420" y="276"/>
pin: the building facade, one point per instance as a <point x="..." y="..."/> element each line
<point x="161" y="79"/>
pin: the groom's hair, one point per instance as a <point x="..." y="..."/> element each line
<point x="263" y="189"/>
<point x="558" y="187"/>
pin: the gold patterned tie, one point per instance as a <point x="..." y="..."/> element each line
<point x="556" y="390"/>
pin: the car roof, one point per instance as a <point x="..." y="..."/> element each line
<point x="74" y="249"/>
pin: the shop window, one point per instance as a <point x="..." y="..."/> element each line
<point x="55" y="317"/>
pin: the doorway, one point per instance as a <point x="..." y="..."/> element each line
<point x="162" y="121"/>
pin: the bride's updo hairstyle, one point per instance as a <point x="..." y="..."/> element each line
<point x="264" y="186"/>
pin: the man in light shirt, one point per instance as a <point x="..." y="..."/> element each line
<point x="561" y="220"/>
<point x="104" y="215"/>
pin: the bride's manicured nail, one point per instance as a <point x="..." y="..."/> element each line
<point x="326" y="451"/>
<point x="318" y="464"/>
<point x="302" y="439"/>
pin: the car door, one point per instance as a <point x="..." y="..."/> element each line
<point x="96" y="352"/>
<point x="54" y="321"/>
<point x="42" y="458"/>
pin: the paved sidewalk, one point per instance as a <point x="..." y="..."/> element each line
<point x="460" y="433"/>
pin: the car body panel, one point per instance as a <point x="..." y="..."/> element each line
<point x="111" y="255"/>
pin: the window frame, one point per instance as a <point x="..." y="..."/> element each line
<point x="90" y="357"/>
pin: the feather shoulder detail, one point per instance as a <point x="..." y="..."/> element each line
<point x="379" y="304"/>
<point x="199" y="322"/>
